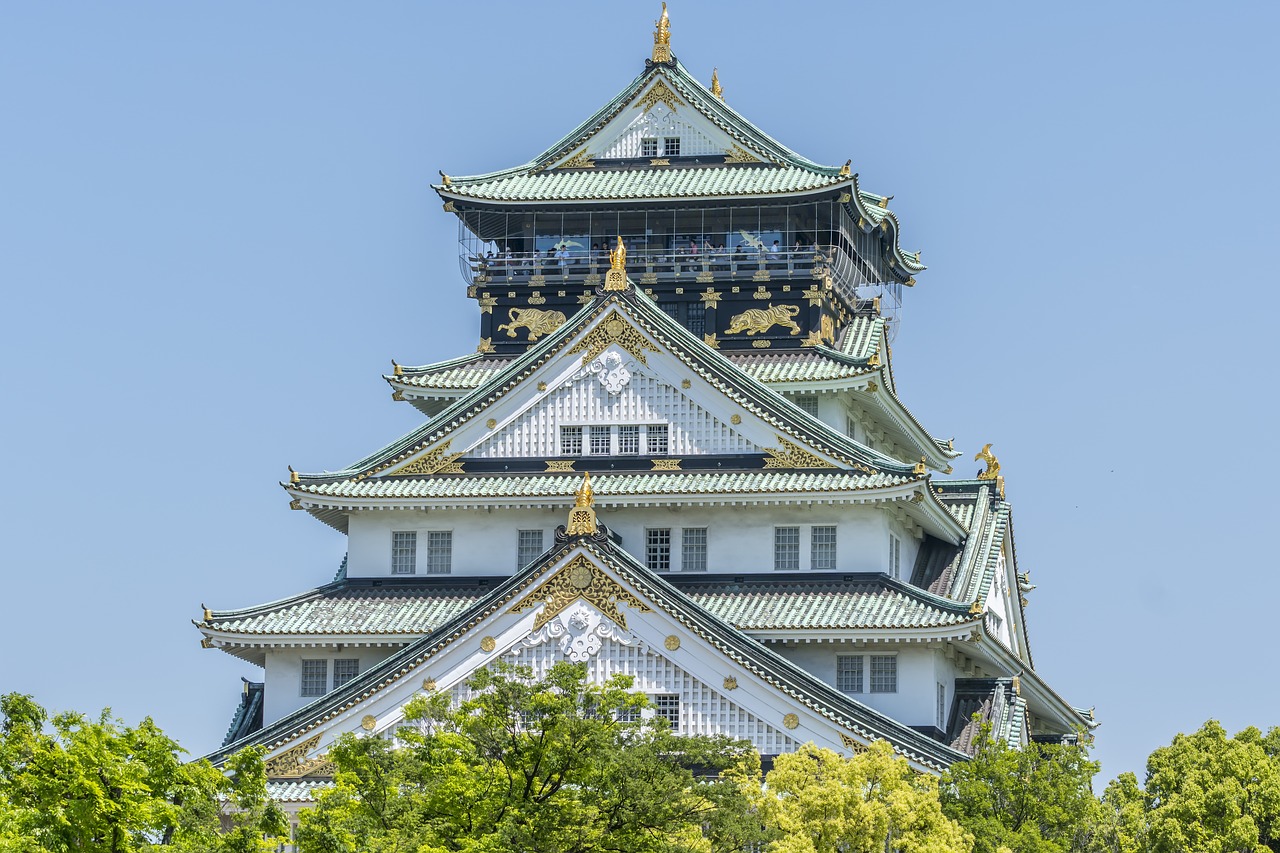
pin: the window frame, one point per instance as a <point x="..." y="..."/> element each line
<point x="895" y="556"/>
<point x="654" y="548"/>
<point x="861" y="670"/>
<point x="403" y="549"/>
<point x="649" y="146"/>
<point x="307" y="691"/>
<point x="876" y="681"/>
<point x="345" y="676"/>
<point x="779" y="544"/>
<point x="815" y="545"/>
<point x="433" y="552"/>
<point x="523" y="557"/>
<point x="688" y="547"/>
<point x="670" y="146"/>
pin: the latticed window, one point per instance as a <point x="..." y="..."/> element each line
<point x="648" y="147"/>
<point x="404" y="553"/>
<point x="528" y="547"/>
<point x="808" y="402"/>
<point x="656" y="439"/>
<point x="571" y="441"/>
<point x="786" y="548"/>
<point x="657" y="548"/>
<point x="942" y="705"/>
<point x="850" y="426"/>
<point x="693" y="549"/>
<point x="439" y="552"/>
<point x="895" y="556"/>
<point x="884" y="674"/>
<point x="671" y="146"/>
<point x="600" y="440"/>
<point x="672" y="309"/>
<point x="628" y="440"/>
<point x="667" y="705"/>
<point x="696" y="321"/>
<point x="849" y="673"/>
<point x="315" y="677"/>
<point x="824" y="548"/>
<point x="344" y="671"/>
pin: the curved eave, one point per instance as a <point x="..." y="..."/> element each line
<point x="886" y="635"/>
<point x="905" y="263"/>
<point x="1033" y="686"/>
<point x="456" y="194"/>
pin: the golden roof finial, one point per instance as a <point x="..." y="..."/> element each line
<point x="716" y="88"/>
<point x="662" y="38"/>
<point x="448" y="182"/>
<point x="582" y="518"/>
<point x="616" y="277"/>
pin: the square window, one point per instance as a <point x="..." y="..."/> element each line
<point x="809" y="403"/>
<point x="629" y="440"/>
<point x="344" y="671"/>
<point x="656" y="439"/>
<point x="600" y="440"/>
<point x="439" y="552"/>
<point x="824" y="548"/>
<point x="849" y="673"/>
<point x="693" y="549"/>
<point x="315" y="677"/>
<point x="786" y="548"/>
<point x="667" y="706"/>
<point x="528" y="547"/>
<point x="648" y="147"/>
<point x="671" y="309"/>
<point x="657" y="548"/>
<point x="571" y="441"/>
<point x="404" y="553"/>
<point x="671" y="146"/>
<point x="884" y="674"/>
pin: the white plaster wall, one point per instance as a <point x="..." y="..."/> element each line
<point x="282" y="679"/>
<point x="739" y="539"/>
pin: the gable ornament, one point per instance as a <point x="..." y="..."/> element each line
<point x="580" y="580"/>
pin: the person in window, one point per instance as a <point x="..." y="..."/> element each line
<point x="551" y="258"/>
<point x="774" y="251"/>
<point x="562" y="256"/>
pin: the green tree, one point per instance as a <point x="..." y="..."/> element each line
<point x="816" y="801"/>
<point x="1037" y="799"/>
<point x="71" y="783"/>
<point x="551" y="764"/>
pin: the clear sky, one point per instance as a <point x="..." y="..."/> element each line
<point x="216" y="228"/>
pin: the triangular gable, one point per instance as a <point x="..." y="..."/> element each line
<point x="589" y="602"/>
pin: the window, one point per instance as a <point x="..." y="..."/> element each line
<point x="884" y="674"/>
<point x="786" y="548"/>
<point x="648" y="147"/>
<point x="571" y="441"/>
<point x="439" y="552"/>
<point x="657" y="548"/>
<point x="315" y="677"/>
<point x="693" y="549"/>
<point x="600" y="440"/>
<point x="849" y="673"/>
<point x="528" y="547"/>
<point x="823" y="554"/>
<point x="895" y="556"/>
<point x="808" y="402"/>
<point x="344" y="671"/>
<point x="404" y="553"/>
<point x="657" y="439"/>
<point x="628" y="440"/>
<point x="850" y="427"/>
<point x="667" y="706"/>
<point x="696" y="321"/>
<point x="942" y="706"/>
<point x="671" y="146"/>
<point x="672" y="309"/>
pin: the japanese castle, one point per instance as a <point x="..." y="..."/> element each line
<point x="677" y="452"/>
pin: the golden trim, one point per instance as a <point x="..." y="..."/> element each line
<point x="559" y="466"/>
<point x="814" y="297"/>
<point x="580" y="579"/>
<point x="436" y="461"/>
<point x="491" y="423"/>
<point x="705" y="277"/>
<point x="761" y="293"/>
<point x="537" y="298"/>
<point x="582" y="517"/>
<point x="659" y="161"/>
<point x="686" y="384"/>
<point x="710" y="298"/>
<point x="716" y="88"/>
<point x="618" y="331"/>
<point x="845" y="198"/>
<point x="761" y="344"/>
<point x="791" y="721"/>
<point x="666" y="465"/>
<point x="852" y="745"/>
<point x="293" y="475"/>
<point x="812" y="339"/>
<point x="488" y="644"/>
<point x="846" y="170"/>
<point x="872" y="387"/>
<point x="993" y="464"/>
<point x="659" y="93"/>
<point x="761" y="275"/>
<point x="730" y="683"/>
<point x="296" y="503"/>
<point x="396" y="369"/>
<point x="294" y="764"/>
<point x="368" y="722"/>
<point x="711" y="341"/>
<point x="580" y="160"/>
<point x="537" y="321"/>
<point x="738" y="154"/>
<point x="919" y="468"/>
<point x="756" y="321"/>
<point x="429" y="684"/>
<point x="735" y="419"/>
<point x="485" y="345"/>
<point x="662" y="37"/>
<point x="672" y="642"/>
<point x="616" y="277"/>
<point x="791" y="455"/>
<point x="397" y="395"/>
<point x="542" y="386"/>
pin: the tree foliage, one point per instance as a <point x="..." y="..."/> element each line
<point x="816" y="801"/>
<point x="72" y="783"/>
<point x="551" y="764"/>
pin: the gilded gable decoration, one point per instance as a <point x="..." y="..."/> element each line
<point x="791" y="455"/>
<point x="580" y="160"/>
<point x="716" y="88"/>
<point x="659" y="93"/>
<point x="436" y="461"/>
<point x="580" y="579"/>
<point x="615" y="330"/>
<point x="582" y="518"/>
<point x="294" y="764"/>
<point x="738" y="154"/>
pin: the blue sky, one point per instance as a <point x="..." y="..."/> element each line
<point x="216" y="229"/>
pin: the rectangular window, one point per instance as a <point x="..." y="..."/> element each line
<point x="667" y="706"/>
<point x="672" y="310"/>
<point x="895" y="556"/>
<point x="628" y="440"/>
<point x="884" y="674"/>
<point x="439" y="552"/>
<point x="693" y="549"/>
<point x="315" y="677"/>
<point x="600" y="441"/>
<point x="942" y="706"/>
<point x="671" y="146"/>
<point x="344" y="671"/>
<point x="648" y="147"/>
<point x="849" y="673"/>
<point x="528" y="547"/>
<point x="808" y="402"/>
<point x="697" y="318"/>
<point x="824" y="548"/>
<point x="850" y="427"/>
<point x="656" y="439"/>
<point x="404" y="553"/>
<point x="786" y="548"/>
<point x="657" y="548"/>
<point x="571" y="441"/>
